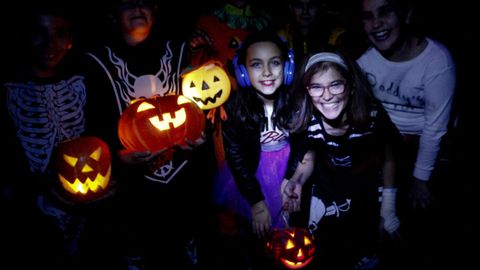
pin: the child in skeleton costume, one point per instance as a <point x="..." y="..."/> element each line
<point x="347" y="151"/>
<point x="42" y="105"/>
<point x="137" y="62"/>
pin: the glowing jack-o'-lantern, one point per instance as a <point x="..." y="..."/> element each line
<point x="208" y="86"/>
<point x="160" y="122"/>
<point x="293" y="247"/>
<point x="84" y="167"/>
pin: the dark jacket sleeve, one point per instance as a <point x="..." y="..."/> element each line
<point x="299" y="146"/>
<point x="242" y="151"/>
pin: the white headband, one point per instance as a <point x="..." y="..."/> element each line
<point x="325" y="57"/>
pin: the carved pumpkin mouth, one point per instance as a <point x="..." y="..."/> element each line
<point x="83" y="187"/>
<point x="208" y="100"/>
<point x="164" y="124"/>
<point x="296" y="265"/>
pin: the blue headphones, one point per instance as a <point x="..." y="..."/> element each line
<point x="242" y="75"/>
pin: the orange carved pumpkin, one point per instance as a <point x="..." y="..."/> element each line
<point x="293" y="247"/>
<point x="208" y="86"/>
<point x="83" y="167"/>
<point x="160" y="122"/>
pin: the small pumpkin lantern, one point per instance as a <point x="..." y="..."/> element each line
<point x="160" y="122"/>
<point x="84" y="167"/>
<point x="293" y="247"/>
<point x="208" y="85"/>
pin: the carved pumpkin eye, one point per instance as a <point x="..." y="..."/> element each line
<point x="160" y="122"/>
<point x="208" y="86"/>
<point x="291" y="247"/>
<point x="289" y="244"/>
<point x="84" y="167"/>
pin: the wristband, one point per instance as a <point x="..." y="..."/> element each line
<point x="388" y="210"/>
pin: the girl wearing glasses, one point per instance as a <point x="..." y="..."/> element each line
<point x="345" y="145"/>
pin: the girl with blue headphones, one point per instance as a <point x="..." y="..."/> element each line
<point x="256" y="137"/>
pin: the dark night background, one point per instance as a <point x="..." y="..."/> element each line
<point x="451" y="22"/>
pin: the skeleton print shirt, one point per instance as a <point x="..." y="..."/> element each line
<point x="151" y="68"/>
<point x="44" y="114"/>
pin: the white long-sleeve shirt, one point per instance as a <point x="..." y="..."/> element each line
<point x="418" y="96"/>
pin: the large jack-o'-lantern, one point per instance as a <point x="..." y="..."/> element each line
<point x="293" y="247"/>
<point x="160" y="122"/>
<point x="84" y="168"/>
<point x="208" y="86"/>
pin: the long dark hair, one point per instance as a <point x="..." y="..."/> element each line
<point x="361" y="97"/>
<point x="245" y="106"/>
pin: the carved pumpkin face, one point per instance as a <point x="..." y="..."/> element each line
<point x="84" y="167"/>
<point x="293" y="247"/>
<point x="208" y="86"/>
<point x="160" y="122"/>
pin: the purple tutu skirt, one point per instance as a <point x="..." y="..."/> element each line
<point x="270" y="173"/>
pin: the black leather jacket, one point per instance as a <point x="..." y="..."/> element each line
<point x="242" y="152"/>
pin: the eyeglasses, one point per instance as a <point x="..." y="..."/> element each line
<point x="335" y="88"/>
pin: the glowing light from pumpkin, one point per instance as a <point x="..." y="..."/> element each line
<point x="84" y="167"/>
<point x="292" y="247"/>
<point x="160" y="122"/>
<point x="100" y="181"/>
<point x="208" y="86"/>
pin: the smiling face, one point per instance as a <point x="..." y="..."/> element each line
<point x="330" y="105"/>
<point x="136" y="18"/>
<point x="264" y="65"/>
<point x="50" y="41"/>
<point x="382" y="23"/>
<point x="304" y="11"/>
